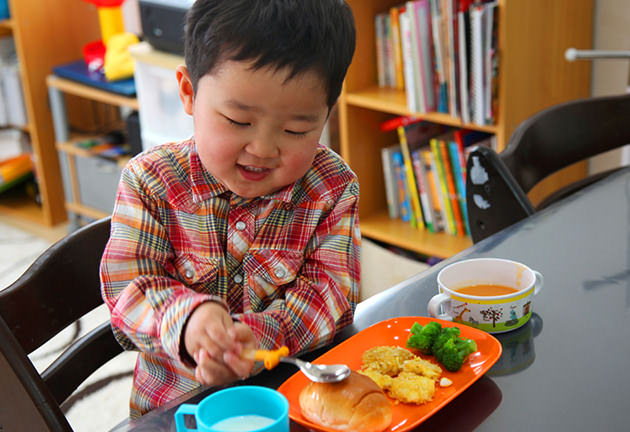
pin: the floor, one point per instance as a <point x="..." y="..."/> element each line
<point x="102" y="402"/>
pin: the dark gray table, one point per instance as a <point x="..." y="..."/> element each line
<point x="566" y="370"/>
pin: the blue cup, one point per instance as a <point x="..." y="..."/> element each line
<point x="241" y="408"/>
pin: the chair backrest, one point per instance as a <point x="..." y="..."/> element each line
<point x="497" y="184"/>
<point x="60" y="287"/>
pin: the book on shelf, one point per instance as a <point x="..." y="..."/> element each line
<point x="442" y="188"/>
<point x="444" y="54"/>
<point x="435" y="196"/>
<point x="417" y="219"/>
<point x="463" y="41"/>
<point x="425" y="173"/>
<point x="394" y="14"/>
<point x="404" y="201"/>
<point x="458" y="166"/>
<point x="390" y="181"/>
<point x="428" y="211"/>
<point x="450" y="185"/>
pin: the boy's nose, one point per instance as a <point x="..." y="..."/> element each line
<point x="263" y="147"/>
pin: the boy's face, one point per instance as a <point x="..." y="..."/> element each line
<point x="255" y="131"/>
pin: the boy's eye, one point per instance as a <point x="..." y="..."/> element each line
<point x="290" y="132"/>
<point x="235" y="123"/>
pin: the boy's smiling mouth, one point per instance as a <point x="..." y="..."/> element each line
<point x="253" y="173"/>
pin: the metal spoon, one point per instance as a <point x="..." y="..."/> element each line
<point x="314" y="372"/>
<point x="318" y="372"/>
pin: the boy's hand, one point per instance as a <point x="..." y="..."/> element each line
<point x="216" y="342"/>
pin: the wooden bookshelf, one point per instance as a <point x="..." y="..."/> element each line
<point x="47" y="34"/>
<point x="533" y="74"/>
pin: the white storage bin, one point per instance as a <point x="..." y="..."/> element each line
<point x="162" y="116"/>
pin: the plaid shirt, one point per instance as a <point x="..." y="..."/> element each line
<point x="285" y="264"/>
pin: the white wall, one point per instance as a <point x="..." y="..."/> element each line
<point x="610" y="77"/>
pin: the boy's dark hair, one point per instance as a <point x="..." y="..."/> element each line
<point x="302" y="35"/>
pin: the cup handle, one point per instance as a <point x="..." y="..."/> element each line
<point x="539" y="282"/>
<point x="434" y="306"/>
<point x="184" y="409"/>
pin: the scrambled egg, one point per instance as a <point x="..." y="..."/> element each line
<point x="401" y="374"/>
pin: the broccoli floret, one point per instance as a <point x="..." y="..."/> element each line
<point x="422" y="337"/>
<point x="455" y="351"/>
<point x="445" y="335"/>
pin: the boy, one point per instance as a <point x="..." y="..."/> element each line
<point x="246" y="235"/>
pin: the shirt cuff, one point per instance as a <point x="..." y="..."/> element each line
<point x="174" y="324"/>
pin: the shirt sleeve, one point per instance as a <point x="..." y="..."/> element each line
<point x="322" y="298"/>
<point x="148" y="304"/>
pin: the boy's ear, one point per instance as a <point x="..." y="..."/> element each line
<point x="186" y="93"/>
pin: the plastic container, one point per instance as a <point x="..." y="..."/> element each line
<point x="162" y="116"/>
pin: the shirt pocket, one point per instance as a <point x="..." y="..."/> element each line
<point x="276" y="267"/>
<point x="197" y="271"/>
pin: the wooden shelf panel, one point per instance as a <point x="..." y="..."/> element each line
<point x="17" y="204"/>
<point x="92" y="93"/>
<point x="398" y="233"/>
<point x="69" y="147"/>
<point x="395" y="102"/>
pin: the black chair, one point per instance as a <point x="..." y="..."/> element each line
<point x="60" y="287"/>
<point x="497" y="184"/>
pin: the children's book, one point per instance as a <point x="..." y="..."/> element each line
<point x="450" y="187"/>
<point x="417" y="220"/>
<point x="401" y="181"/>
<point x="423" y="188"/>
<point x="390" y="181"/>
<point x="435" y="194"/>
<point x="441" y="176"/>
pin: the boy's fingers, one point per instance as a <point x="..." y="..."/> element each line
<point x="240" y="367"/>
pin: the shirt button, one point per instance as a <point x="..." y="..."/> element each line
<point x="240" y="225"/>
<point x="188" y="274"/>
<point x="280" y="273"/>
<point x="238" y="279"/>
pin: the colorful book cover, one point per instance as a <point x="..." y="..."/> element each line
<point x="389" y="177"/>
<point x="423" y="189"/>
<point x="439" y="54"/>
<point x="450" y="187"/>
<point x="435" y="196"/>
<point x="380" y="49"/>
<point x="405" y="38"/>
<point x="403" y="195"/>
<point x="457" y="159"/>
<point x="441" y="175"/>
<point x="425" y="52"/>
<point x="417" y="221"/>
<point x="396" y="43"/>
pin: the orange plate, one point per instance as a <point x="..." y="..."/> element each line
<point x="395" y="331"/>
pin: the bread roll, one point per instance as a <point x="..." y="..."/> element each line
<point x="355" y="404"/>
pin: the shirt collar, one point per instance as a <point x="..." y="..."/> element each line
<point x="204" y="185"/>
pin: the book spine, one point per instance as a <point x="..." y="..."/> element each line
<point x="398" y="61"/>
<point x="403" y="195"/>
<point x="476" y="29"/>
<point x="457" y="157"/>
<point x="450" y="187"/>
<point x="380" y="50"/>
<point x="417" y="219"/>
<point x="423" y="189"/>
<point x="441" y="176"/>
<point x="415" y="56"/>
<point x="423" y="15"/>
<point x="405" y="36"/>
<point x="391" y="187"/>
<point x="435" y="196"/>
<point x="440" y="61"/>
